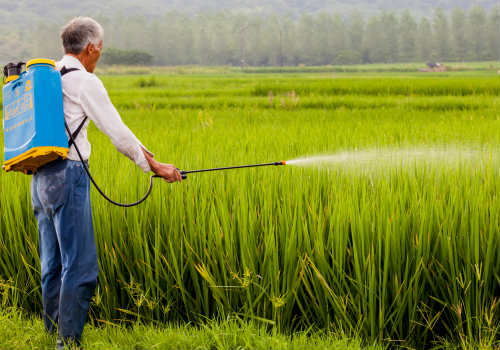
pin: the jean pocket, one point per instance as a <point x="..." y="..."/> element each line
<point x="51" y="187"/>
<point x="80" y="175"/>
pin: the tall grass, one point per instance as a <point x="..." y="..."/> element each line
<point x="19" y="331"/>
<point x="404" y="254"/>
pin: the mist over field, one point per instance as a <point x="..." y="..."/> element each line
<point x="262" y="33"/>
<point x="28" y="10"/>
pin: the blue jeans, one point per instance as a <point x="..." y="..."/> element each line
<point x="60" y="196"/>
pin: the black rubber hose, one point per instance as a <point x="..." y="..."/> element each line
<point x="126" y="205"/>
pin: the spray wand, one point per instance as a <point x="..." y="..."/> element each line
<point x="185" y="172"/>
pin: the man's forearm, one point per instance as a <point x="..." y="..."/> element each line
<point x="153" y="164"/>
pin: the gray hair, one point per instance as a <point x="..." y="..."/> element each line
<point x="79" y="32"/>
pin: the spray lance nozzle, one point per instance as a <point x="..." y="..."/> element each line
<point x="185" y="172"/>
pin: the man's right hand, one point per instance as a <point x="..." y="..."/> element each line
<point x="166" y="171"/>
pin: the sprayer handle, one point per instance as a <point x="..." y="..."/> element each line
<point x="183" y="174"/>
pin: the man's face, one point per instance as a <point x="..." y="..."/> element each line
<point x="93" y="54"/>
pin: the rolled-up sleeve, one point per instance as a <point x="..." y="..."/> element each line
<point x="99" y="108"/>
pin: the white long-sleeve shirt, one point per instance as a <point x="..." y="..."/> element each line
<point x="85" y="95"/>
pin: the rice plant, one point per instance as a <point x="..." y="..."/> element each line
<point x="402" y="252"/>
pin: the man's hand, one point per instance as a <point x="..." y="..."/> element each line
<point x="167" y="171"/>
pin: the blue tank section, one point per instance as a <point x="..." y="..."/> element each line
<point x="33" y="116"/>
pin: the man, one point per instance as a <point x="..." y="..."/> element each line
<point x="60" y="190"/>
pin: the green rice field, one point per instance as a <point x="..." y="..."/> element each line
<point x="386" y="229"/>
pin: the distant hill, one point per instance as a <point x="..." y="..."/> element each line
<point x="26" y="12"/>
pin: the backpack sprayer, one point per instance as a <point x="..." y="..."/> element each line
<point x="34" y="126"/>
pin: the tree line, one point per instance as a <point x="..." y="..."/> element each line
<point x="321" y="39"/>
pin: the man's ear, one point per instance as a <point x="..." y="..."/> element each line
<point x="90" y="48"/>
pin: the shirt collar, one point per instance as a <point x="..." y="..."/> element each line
<point x="71" y="62"/>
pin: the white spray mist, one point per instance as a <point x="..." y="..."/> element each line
<point x="388" y="157"/>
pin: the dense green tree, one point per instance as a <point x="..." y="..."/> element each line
<point x="126" y="57"/>
<point x="494" y="34"/>
<point x="408" y="38"/>
<point x="424" y="40"/>
<point x="476" y="32"/>
<point x="221" y="31"/>
<point x="324" y="42"/>
<point x="187" y="39"/>
<point x="390" y="41"/>
<point x="226" y="38"/>
<point x="166" y="41"/>
<point x="257" y="54"/>
<point x="441" y="43"/>
<point x="274" y="43"/>
<point x="23" y="13"/>
<point x="202" y="46"/>
<point x="154" y="44"/>
<point x="373" y="50"/>
<point x="306" y="39"/>
<point x="289" y="44"/>
<point x="338" y="35"/>
<point x="458" y="42"/>
<point x="356" y="29"/>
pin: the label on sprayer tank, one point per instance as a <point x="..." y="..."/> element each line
<point x="18" y="115"/>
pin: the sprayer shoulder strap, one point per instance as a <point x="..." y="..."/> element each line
<point x="65" y="70"/>
<point x="75" y="133"/>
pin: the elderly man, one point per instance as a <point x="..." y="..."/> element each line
<point x="61" y="189"/>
